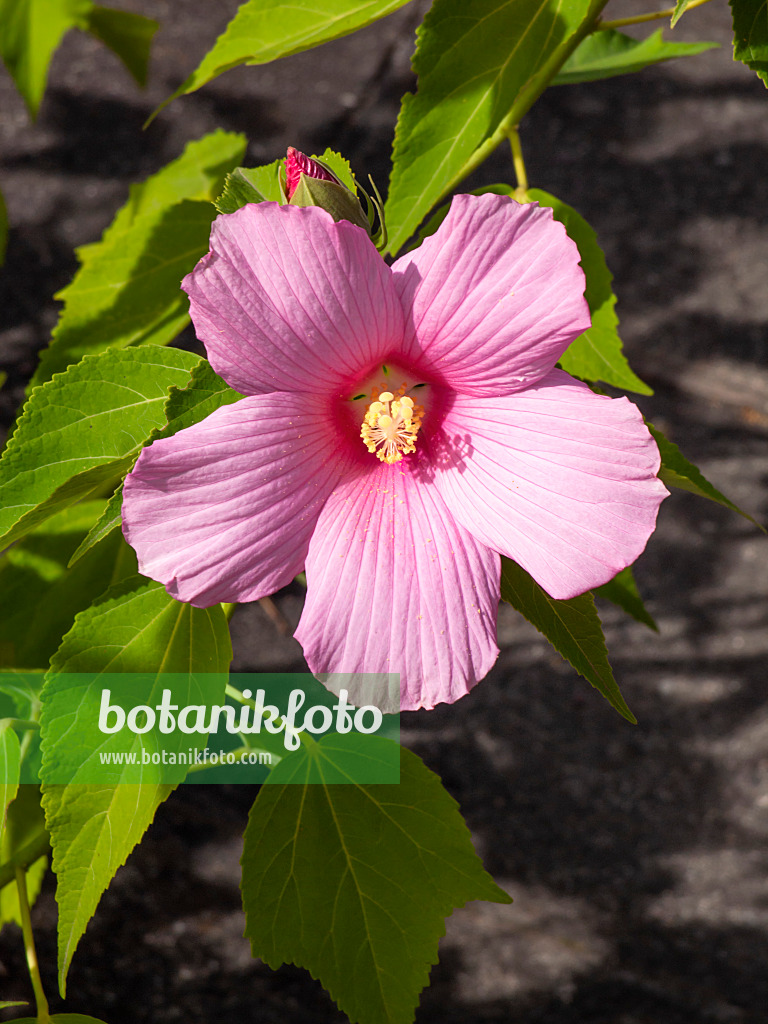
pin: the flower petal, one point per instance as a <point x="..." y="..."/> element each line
<point x="395" y="585"/>
<point x="557" y="477"/>
<point x="224" y="510"/>
<point x="289" y="300"/>
<point x="496" y="295"/>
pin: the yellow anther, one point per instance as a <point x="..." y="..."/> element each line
<point x="390" y="426"/>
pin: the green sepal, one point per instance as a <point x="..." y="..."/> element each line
<point x="572" y="627"/>
<point x="330" y="196"/>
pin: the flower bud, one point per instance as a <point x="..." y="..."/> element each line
<point x="310" y="183"/>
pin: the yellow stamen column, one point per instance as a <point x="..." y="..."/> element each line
<point x="390" y="426"/>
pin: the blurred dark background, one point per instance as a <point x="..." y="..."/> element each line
<point x="636" y="855"/>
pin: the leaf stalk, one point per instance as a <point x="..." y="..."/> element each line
<point x="638" y="19"/>
<point x="528" y="95"/>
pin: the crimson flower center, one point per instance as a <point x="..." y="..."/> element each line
<point x="391" y="421"/>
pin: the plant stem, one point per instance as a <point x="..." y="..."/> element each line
<point x="41" y="1002"/>
<point x="639" y="18"/>
<point x="528" y="95"/>
<point x="517" y="158"/>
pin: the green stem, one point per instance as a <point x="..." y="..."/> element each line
<point x="638" y="19"/>
<point x="529" y="94"/>
<point x="517" y="159"/>
<point x="36" y="848"/>
<point x="41" y="1002"/>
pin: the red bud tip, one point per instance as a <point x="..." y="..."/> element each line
<point x="296" y="164"/>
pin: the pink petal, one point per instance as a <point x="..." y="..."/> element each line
<point x="496" y="295"/>
<point x="395" y="585"/>
<point x="224" y="510"/>
<point x="288" y="300"/>
<point x="557" y="477"/>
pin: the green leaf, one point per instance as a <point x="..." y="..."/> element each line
<point x="136" y="627"/>
<point x="26" y="824"/>
<point x="24" y="690"/>
<point x="128" y="288"/>
<point x="608" y="53"/>
<point x="129" y="37"/>
<point x="204" y="393"/>
<point x="622" y="591"/>
<point x="10" y="768"/>
<point x="473" y="58"/>
<point x="572" y="627"/>
<point x="30" y="32"/>
<point x="109" y="520"/>
<point x="265" y="30"/>
<point x="679" y="11"/>
<point x="677" y="471"/>
<point x="353" y="882"/>
<point x="3" y="247"/>
<point x="750" y="35"/>
<point x="194" y="402"/>
<point x="597" y="354"/>
<point x="82" y="428"/>
<point x="250" y="185"/>
<point x="39" y="598"/>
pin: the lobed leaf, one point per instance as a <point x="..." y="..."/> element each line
<point x="572" y="627"/>
<point x="597" y="354"/>
<point x="622" y="591"/>
<point x="81" y="429"/>
<point x="679" y="11"/>
<point x="128" y="288"/>
<point x="136" y="627"/>
<point x="10" y="769"/>
<point x="750" y="35"/>
<point x="352" y="881"/>
<point x="608" y="53"/>
<point x="473" y="58"/>
<point x="129" y="36"/>
<point x="250" y="185"/>
<point x="677" y="471"/>
<point x="30" y="32"/>
<point x="39" y="597"/>
<point x="25" y="824"/>
<point x="266" y="30"/>
<point x="204" y="393"/>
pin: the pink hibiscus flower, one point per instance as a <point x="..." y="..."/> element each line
<point x="403" y="426"/>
